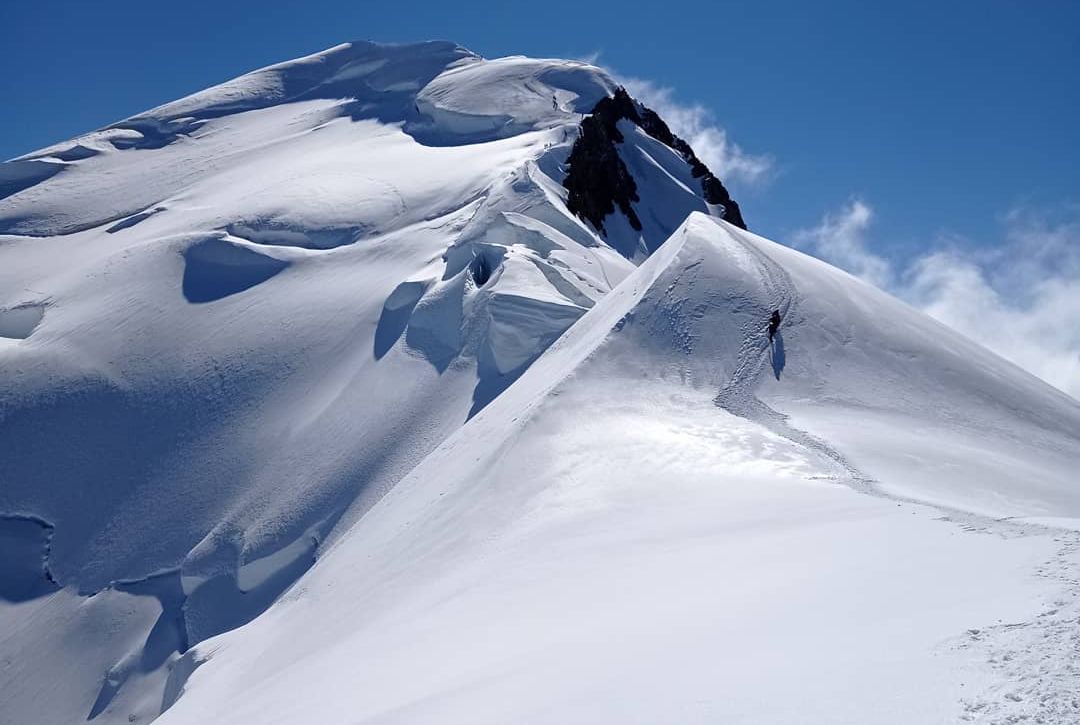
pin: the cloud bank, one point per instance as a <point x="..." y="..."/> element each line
<point x="1020" y="297"/>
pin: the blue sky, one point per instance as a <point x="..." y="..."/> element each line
<point x="943" y="114"/>
<point x="924" y="127"/>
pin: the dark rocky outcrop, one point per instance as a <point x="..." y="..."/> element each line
<point x="598" y="180"/>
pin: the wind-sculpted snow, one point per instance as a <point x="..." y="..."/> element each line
<point x="17" y="323"/>
<point x="24" y="570"/>
<point x="215" y="268"/>
<point x="15" y="176"/>
<point x="230" y="324"/>
<point x="485" y="101"/>
<point x="383" y="80"/>
<point x="336" y="313"/>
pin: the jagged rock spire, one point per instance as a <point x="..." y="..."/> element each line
<point x="599" y="182"/>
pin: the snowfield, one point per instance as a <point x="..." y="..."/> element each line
<point x="317" y="405"/>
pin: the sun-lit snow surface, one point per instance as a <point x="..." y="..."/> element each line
<point x="607" y="543"/>
<point x="238" y="320"/>
<point x="231" y="323"/>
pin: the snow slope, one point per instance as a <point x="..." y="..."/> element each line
<point x="336" y="309"/>
<point x="613" y="541"/>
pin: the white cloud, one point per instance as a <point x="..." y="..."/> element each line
<point x="695" y="125"/>
<point x="841" y="239"/>
<point x="1019" y="297"/>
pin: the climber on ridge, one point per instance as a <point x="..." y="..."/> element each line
<point x="774" y="324"/>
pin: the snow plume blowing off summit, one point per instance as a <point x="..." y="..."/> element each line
<point x="397" y="385"/>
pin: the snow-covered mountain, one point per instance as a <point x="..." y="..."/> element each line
<point x="396" y="385"/>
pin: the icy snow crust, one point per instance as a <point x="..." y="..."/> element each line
<point x="336" y="310"/>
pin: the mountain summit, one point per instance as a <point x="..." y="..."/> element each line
<point x="394" y="384"/>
